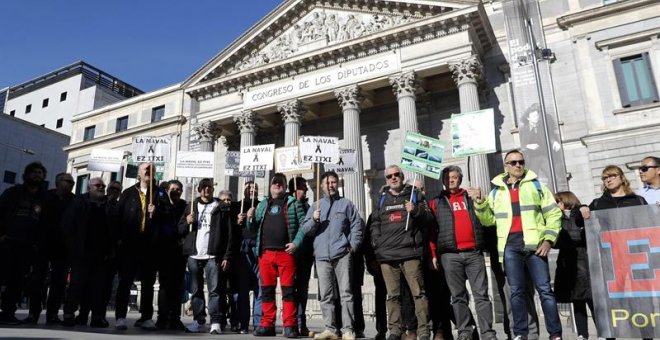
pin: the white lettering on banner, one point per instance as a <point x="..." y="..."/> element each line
<point x="325" y="79"/>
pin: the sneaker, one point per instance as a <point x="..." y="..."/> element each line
<point x="99" y="323"/>
<point x="291" y="332"/>
<point x="326" y="334"/>
<point x="215" y="328"/>
<point x="121" y="324"/>
<point x="555" y="337"/>
<point x="243" y="331"/>
<point x="519" y="337"/>
<point x="580" y="337"/>
<point x="348" y="336"/>
<point x="194" y="327"/>
<point x="148" y="325"/>
<point x="30" y="320"/>
<point x="264" y="331"/>
<point x="304" y="332"/>
<point x="9" y="319"/>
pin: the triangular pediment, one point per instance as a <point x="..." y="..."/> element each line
<point x="299" y="27"/>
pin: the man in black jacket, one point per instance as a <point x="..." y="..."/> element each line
<point x="21" y="218"/>
<point x="207" y="229"/>
<point x="459" y="244"/>
<point x="170" y="262"/>
<point x="90" y="248"/>
<point x="136" y="212"/>
<point x="52" y="255"/>
<point x="397" y="238"/>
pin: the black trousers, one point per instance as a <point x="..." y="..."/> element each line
<point x="171" y="267"/>
<point x="88" y="283"/>
<point x="15" y="261"/>
<point x="132" y="261"/>
<point x="440" y="310"/>
<point x="48" y="278"/>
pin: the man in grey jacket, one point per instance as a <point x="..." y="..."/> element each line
<point x="336" y="227"/>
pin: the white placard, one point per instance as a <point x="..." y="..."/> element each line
<point x="319" y="149"/>
<point x="257" y="157"/>
<point x="197" y="164"/>
<point x="105" y="160"/>
<point x="287" y="160"/>
<point x="347" y="163"/>
<point x="151" y="149"/>
<point x="326" y="79"/>
<point x="473" y="133"/>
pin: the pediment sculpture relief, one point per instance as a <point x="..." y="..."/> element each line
<point x="318" y="29"/>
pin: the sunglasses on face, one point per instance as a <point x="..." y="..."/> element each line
<point x="396" y="174"/>
<point x="645" y="168"/>
<point x="608" y="177"/>
<point x="516" y="162"/>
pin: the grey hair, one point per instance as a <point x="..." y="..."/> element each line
<point x="94" y="179"/>
<point x="452" y="168"/>
<point x="394" y="166"/>
<point x="225" y="193"/>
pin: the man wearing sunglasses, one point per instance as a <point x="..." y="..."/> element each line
<point x="649" y="173"/>
<point x="397" y="238"/>
<point x="277" y="222"/>
<point x="528" y="222"/>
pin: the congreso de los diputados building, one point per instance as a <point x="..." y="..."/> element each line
<point x="572" y="83"/>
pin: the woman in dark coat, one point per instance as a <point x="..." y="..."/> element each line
<point x="572" y="283"/>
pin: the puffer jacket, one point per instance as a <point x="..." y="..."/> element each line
<point x="446" y="228"/>
<point x="540" y="215"/>
<point x="295" y="217"/>
<point x="389" y="237"/>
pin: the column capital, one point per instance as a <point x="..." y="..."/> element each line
<point x="468" y="70"/>
<point x="246" y="121"/>
<point x="349" y="97"/>
<point x="208" y="131"/>
<point x="404" y="84"/>
<point x="291" y="111"/>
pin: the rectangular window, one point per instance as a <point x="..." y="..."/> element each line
<point x="10" y="177"/>
<point x="89" y="133"/>
<point x="59" y="123"/>
<point x="81" y="184"/>
<point x="44" y="103"/>
<point x="634" y="77"/>
<point x="62" y="96"/>
<point x="28" y="108"/>
<point x="157" y="114"/>
<point x="122" y="124"/>
<point x="12" y="113"/>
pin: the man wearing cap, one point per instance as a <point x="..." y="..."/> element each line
<point x="277" y="221"/>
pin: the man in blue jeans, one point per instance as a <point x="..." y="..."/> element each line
<point x="528" y="222"/>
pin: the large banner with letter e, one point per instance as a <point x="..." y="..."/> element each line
<point x="347" y="163"/>
<point x="319" y="149"/>
<point x="624" y="262"/>
<point x="287" y="160"/>
<point x="422" y="154"/>
<point x="195" y="164"/>
<point x="151" y="149"/>
<point x="257" y="157"/>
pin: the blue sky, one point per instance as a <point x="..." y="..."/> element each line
<point x="149" y="44"/>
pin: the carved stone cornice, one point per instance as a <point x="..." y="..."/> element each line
<point x="246" y="121"/>
<point x="208" y="131"/>
<point x="404" y="84"/>
<point x="349" y="97"/>
<point x="219" y="82"/>
<point x="469" y="70"/>
<point x="292" y="111"/>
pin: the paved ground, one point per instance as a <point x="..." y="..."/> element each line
<point x="80" y="332"/>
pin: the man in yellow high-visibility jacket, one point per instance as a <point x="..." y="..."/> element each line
<point x="528" y="221"/>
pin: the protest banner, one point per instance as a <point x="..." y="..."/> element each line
<point x="257" y="157"/>
<point x="623" y="246"/>
<point x="422" y="155"/>
<point x="105" y="160"/>
<point x="287" y="160"/>
<point x="473" y="133"/>
<point x="232" y="163"/>
<point x="197" y="164"/>
<point x="151" y="149"/>
<point x="319" y="149"/>
<point x="346" y="164"/>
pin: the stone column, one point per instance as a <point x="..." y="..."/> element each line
<point x="292" y="112"/>
<point x="208" y="133"/>
<point x="404" y="86"/>
<point x="467" y="73"/>
<point x="349" y="100"/>
<point x="246" y="121"/>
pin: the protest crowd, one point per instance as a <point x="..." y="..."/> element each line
<point x="76" y="255"/>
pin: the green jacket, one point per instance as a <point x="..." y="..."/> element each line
<point x="540" y="215"/>
<point x="295" y="214"/>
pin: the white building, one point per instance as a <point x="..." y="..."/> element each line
<point x="51" y="100"/>
<point x="22" y="142"/>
